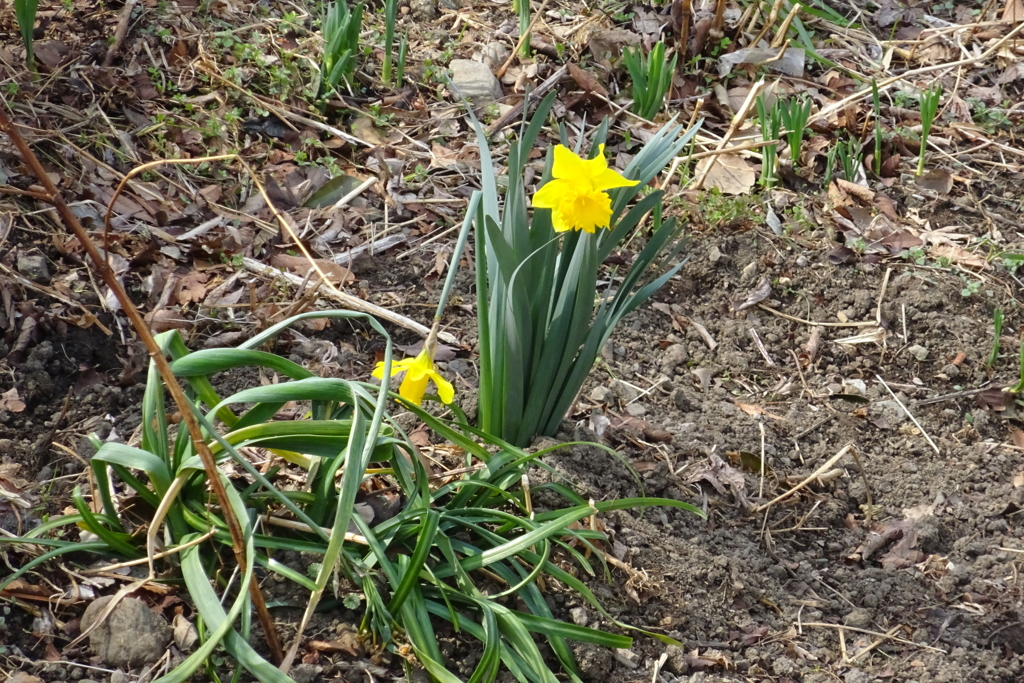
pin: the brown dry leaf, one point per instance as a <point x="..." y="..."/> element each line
<point x="587" y="80"/>
<point x="958" y="255"/>
<point x="193" y="287"/>
<point x="859" y="191"/>
<point x="937" y="180"/>
<point x="722" y="477"/>
<point x="348" y="643"/>
<point x="442" y="157"/>
<point x="729" y="173"/>
<point x="364" y="129"/>
<point x="1013" y="11"/>
<point x="11" y="402"/>
<point x="337" y="274"/>
<point x="759" y="294"/>
<point x="755" y="410"/>
<point x="1017" y="436"/>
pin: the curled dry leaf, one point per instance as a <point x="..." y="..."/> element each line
<point x="729" y="173"/>
<point x="759" y="294"/>
<point x="11" y="402"/>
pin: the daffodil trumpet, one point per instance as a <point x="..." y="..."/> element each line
<point x="419" y="372"/>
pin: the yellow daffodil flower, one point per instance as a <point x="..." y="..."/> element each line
<point x="578" y="196"/>
<point x="418" y="371"/>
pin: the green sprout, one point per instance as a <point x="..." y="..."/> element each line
<point x="876" y="103"/>
<point x="522" y="8"/>
<point x="795" y="115"/>
<point x="25" y="12"/>
<point x="770" y="120"/>
<point x="849" y="157"/>
<point x="997" y="330"/>
<point x="651" y="77"/>
<point x="390" y="18"/>
<point x="1019" y="387"/>
<point x="341" y="45"/>
<point x="929" y="107"/>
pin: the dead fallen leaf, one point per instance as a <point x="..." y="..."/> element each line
<point x="1018" y="437"/>
<point x="337" y="274"/>
<point x="722" y="477"/>
<point x="759" y="294"/>
<point x="729" y="173"/>
<point x="192" y="288"/>
<point x="1013" y="11"/>
<point x="959" y="256"/>
<point x="11" y="402"/>
<point x="587" y="80"/>
<point x="937" y="180"/>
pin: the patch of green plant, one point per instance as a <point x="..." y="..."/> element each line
<point x="971" y="287"/>
<point x="849" y="157"/>
<point x="25" y="13"/>
<point x="929" y="107"/>
<point x="469" y="552"/>
<point x="770" y="120"/>
<point x="390" y="19"/>
<point x="542" y="319"/>
<point x="651" y="78"/>
<point x="794" y="114"/>
<point x="876" y="104"/>
<point x="341" y="45"/>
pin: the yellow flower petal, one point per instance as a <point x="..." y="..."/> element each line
<point x="412" y="390"/>
<point x="397" y="366"/>
<point x="550" y="196"/>
<point x="445" y="391"/>
<point x="609" y="179"/>
<point x="568" y="164"/>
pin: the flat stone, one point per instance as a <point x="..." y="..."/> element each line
<point x="475" y="81"/>
<point x="423" y="10"/>
<point x="599" y="394"/>
<point x="34" y="267"/>
<point x="624" y="392"/>
<point x="636" y="409"/>
<point x="131" y="636"/>
<point x="579" y="616"/>
<point x="919" y="352"/>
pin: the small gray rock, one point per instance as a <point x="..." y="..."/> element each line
<point x="858" y="618"/>
<point x="579" y="616"/>
<point x="682" y="401"/>
<point x="714" y="255"/>
<point x="636" y="409"/>
<point x="306" y="673"/>
<point x="475" y="81"/>
<point x="34" y="267"/>
<point x="673" y="357"/>
<point x="423" y="10"/>
<point x="623" y="391"/>
<point x="599" y="394"/>
<point x="919" y="352"/>
<point x="132" y="636"/>
<point x="495" y="54"/>
<point x="119" y="677"/>
<point x="676" y="662"/>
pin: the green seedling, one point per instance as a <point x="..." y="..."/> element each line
<point x="390" y="17"/>
<point x="25" y="12"/>
<point x="849" y="157"/>
<point x="771" y="125"/>
<point x="795" y="115"/>
<point x="997" y="330"/>
<point x="876" y="103"/>
<point x="522" y="8"/>
<point x="830" y="162"/>
<point x="929" y="107"/>
<point x="341" y="45"/>
<point x="403" y="48"/>
<point x="651" y="77"/>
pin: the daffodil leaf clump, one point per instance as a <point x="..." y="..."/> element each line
<point x="541" y="315"/>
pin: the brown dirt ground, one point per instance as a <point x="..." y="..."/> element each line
<point x="752" y="596"/>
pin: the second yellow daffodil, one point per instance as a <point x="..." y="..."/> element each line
<point x="578" y="196"/>
<point x="418" y="371"/>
